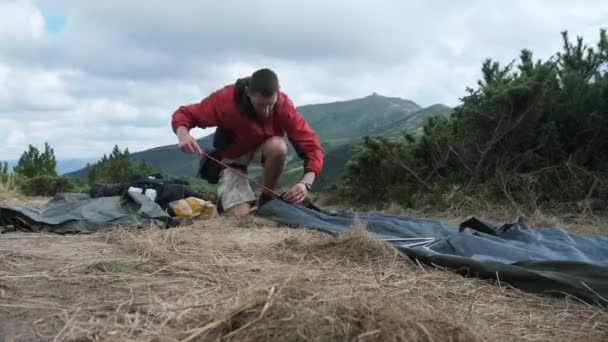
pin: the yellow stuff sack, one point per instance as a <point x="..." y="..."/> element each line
<point x="193" y="207"/>
<point x="181" y="208"/>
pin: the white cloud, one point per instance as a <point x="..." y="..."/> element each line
<point x="15" y="138"/>
<point x="32" y="89"/>
<point x="118" y="69"/>
<point x="20" y="20"/>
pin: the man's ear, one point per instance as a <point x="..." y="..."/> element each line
<point x="247" y="91"/>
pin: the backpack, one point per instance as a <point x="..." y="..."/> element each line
<point x="162" y="191"/>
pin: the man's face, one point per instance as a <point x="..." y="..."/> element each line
<point x="263" y="105"/>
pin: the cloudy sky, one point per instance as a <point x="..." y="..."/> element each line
<point x="87" y="75"/>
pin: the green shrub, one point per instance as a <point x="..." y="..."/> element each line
<point x="48" y="185"/>
<point x="117" y="168"/>
<point x="530" y="133"/>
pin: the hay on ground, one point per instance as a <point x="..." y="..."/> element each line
<point x="235" y="280"/>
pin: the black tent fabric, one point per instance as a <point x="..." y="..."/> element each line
<point x="168" y="190"/>
<point x="539" y="259"/>
<point x="71" y="213"/>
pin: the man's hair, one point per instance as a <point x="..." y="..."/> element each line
<point x="264" y="82"/>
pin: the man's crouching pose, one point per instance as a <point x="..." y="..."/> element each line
<point x="252" y="117"/>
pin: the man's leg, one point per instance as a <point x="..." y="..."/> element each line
<point x="235" y="194"/>
<point x="238" y="210"/>
<point x="274" y="151"/>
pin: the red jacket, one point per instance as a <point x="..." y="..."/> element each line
<point x="229" y="109"/>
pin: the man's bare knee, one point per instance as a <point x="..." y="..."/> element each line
<point x="275" y="147"/>
<point x="238" y="210"/>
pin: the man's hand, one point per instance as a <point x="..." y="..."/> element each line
<point x="296" y="194"/>
<point x="186" y="142"/>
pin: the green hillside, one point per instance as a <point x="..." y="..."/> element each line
<point x="338" y="152"/>
<point x="167" y="158"/>
<point x="356" y="118"/>
<point x="171" y="160"/>
<point x="339" y="125"/>
<point x="415" y="121"/>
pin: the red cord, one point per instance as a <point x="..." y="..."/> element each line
<point x="240" y="173"/>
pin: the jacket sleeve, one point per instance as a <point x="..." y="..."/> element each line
<point x="202" y="114"/>
<point x="304" y="139"/>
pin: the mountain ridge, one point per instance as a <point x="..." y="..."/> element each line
<point x="339" y="125"/>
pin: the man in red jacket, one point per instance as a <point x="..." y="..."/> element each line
<point x="253" y="117"/>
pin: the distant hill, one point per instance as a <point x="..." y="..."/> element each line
<point x="356" y="118"/>
<point x="415" y="121"/>
<point x="338" y="152"/>
<point x="63" y="165"/>
<point x="339" y="125"/>
<point x="70" y="165"/>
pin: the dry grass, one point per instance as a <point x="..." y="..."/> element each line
<point x="8" y="187"/>
<point x="242" y="280"/>
<point x="11" y="195"/>
<point x="110" y="266"/>
<point x="582" y="222"/>
<point x="8" y="183"/>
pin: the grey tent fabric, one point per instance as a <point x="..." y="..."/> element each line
<point x="79" y="213"/>
<point x="539" y="259"/>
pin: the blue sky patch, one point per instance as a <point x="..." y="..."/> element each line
<point x="54" y="22"/>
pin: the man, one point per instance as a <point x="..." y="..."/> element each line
<point x="252" y="117"/>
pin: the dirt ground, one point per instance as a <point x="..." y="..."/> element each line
<point x="251" y="280"/>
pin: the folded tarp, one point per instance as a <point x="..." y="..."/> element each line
<point x="538" y="259"/>
<point x="69" y="213"/>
